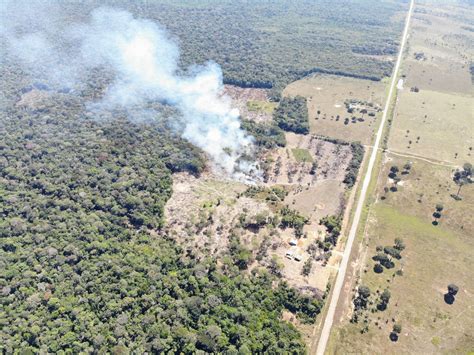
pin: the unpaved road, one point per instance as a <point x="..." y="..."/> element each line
<point x="323" y="340"/>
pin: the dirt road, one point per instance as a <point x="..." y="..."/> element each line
<point x="321" y="348"/>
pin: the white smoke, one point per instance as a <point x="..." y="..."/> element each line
<point x="145" y="63"/>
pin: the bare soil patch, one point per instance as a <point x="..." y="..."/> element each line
<point x="205" y="213"/>
<point x="329" y="161"/>
<point x="241" y="98"/>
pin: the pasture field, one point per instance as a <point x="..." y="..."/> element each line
<point x="432" y="134"/>
<point x="261" y="106"/>
<point x="440" y="48"/>
<point x="435" y="256"/>
<point x="328" y="97"/>
<point x="436" y="120"/>
<point x="434" y="125"/>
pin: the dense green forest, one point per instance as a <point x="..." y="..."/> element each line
<point x="271" y="43"/>
<point x="267" y="135"/>
<point x="292" y="115"/>
<point x="84" y="263"/>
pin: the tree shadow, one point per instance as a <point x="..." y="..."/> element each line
<point x="435" y="223"/>
<point x="449" y="298"/>
<point x="393" y="336"/>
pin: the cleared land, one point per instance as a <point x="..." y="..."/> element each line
<point x="341" y="107"/>
<point x="204" y="212"/>
<point x="435" y="115"/>
<point x="435" y="255"/>
<point x="253" y="103"/>
<point x="435" y="125"/>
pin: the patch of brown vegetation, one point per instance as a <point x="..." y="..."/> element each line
<point x="330" y="159"/>
<point x="240" y="97"/>
<point x="33" y="99"/>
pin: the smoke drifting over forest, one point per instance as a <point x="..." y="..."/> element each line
<point x="144" y="61"/>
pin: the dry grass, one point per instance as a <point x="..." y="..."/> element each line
<point x="434" y="257"/>
<point x="439" y="33"/>
<point x="327" y="94"/>
<point x="438" y="125"/>
<point x="440" y="114"/>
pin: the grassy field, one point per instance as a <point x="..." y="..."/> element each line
<point x="261" y="106"/>
<point x="326" y="96"/>
<point x="434" y="125"/>
<point x="301" y="155"/>
<point x="434" y="257"/>
<point x="438" y="122"/>
<point x="440" y="48"/>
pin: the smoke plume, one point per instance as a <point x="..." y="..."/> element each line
<point x="144" y="61"/>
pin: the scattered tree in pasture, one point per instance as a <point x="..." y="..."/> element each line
<point x="449" y="297"/>
<point x="384" y="299"/>
<point x="462" y="177"/>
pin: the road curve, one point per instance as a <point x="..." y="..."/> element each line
<point x="323" y="340"/>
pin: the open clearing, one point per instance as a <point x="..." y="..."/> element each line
<point x="434" y="257"/>
<point x="204" y="214"/>
<point x="293" y="163"/>
<point x="253" y="104"/>
<point x="437" y="119"/>
<point x="434" y="125"/>
<point x="331" y="96"/>
<point x="440" y="49"/>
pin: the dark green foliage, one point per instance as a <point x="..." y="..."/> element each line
<point x="364" y="292"/>
<point x="292" y="115"/>
<point x="462" y="177"/>
<point x="393" y="252"/>
<point x="333" y="227"/>
<point x="84" y="264"/>
<point x="453" y="289"/>
<point x="261" y="44"/>
<point x="241" y="255"/>
<point x="399" y="244"/>
<point x="307" y="266"/>
<point x="397" y="328"/>
<point x="384" y="260"/>
<point x="378" y="269"/>
<point x="305" y="306"/>
<point x="291" y="218"/>
<point x="384" y="299"/>
<point x="354" y="165"/>
<point x="267" y="135"/>
<point x="360" y="302"/>
<point x="273" y="195"/>
<point x="394" y="169"/>
<point x="389" y="252"/>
